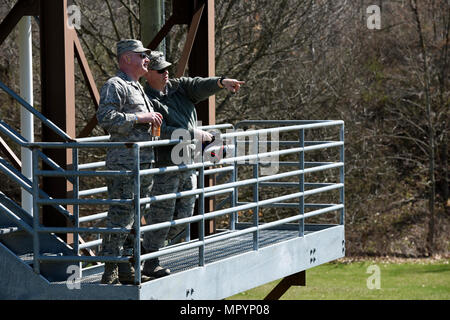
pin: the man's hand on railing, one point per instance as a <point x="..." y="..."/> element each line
<point x="202" y="136"/>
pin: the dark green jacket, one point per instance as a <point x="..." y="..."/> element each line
<point x="177" y="105"/>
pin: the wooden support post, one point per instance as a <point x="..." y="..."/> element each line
<point x="297" y="279"/>
<point x="202" y="63"/>
<point x="58" y="98"/>
<point x="10" y="155"/>
<point x="20" y="9"/>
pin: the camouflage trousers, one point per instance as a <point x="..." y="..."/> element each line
<point x="122" y="215"/>
<point x="169" y="210"/>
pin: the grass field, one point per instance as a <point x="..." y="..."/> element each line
<point x="418" y="279"/>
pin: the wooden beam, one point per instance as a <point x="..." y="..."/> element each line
<point x="162" y="33"/>
<point x="297" y="279"/>
<point x="202" y="64"/>
<point x="58" y="99"/>
<point x="182" y="63"/>
<point x="10" y="155"/>
<point x="20" y="9"/>
<point x="92" y="87"/>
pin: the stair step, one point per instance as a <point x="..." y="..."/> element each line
<point x="27" y="258"/>
<point x="7" y="230"/>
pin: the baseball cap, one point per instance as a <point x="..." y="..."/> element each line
<point x="130" y="45"/>
<point x="157" y="61"/>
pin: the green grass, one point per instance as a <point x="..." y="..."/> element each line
<point x="416" y="280"/>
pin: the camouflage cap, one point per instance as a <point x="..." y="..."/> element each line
<point x="157" y="61"/>
<point x="130" y="45"/>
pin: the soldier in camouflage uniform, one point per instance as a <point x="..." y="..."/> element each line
<point x="127" y="114"/>
<point x="175" y="99"/>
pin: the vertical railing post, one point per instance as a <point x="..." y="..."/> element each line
<point x="234" y="194"/>
<point x="137" y="215"/>
<point x="36" y="213"/>
<point x="302" y="182"/>
<point x="256" y="192"/>
<point x="342" y="173"/>
<point x="201" y="206"/>
<point x="76" y="207"/>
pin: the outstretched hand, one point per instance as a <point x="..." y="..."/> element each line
<point x="232" y="85"/>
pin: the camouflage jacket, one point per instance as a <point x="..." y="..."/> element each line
<point x="177" y="105"/>
<point x="120" y="100"/>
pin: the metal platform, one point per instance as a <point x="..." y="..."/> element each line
<point x="37" y="264"/>
<point x="232" y="267"/>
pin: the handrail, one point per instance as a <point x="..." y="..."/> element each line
<point x="228" y="164"/>
<point x="36" y="113"/>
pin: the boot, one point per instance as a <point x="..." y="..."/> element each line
<point x="153" y="269"/>
<point x="127" y="272"/>
<point x="111" y="274"/>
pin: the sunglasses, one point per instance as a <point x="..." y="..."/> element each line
<point x="144" y="55"/>
<point x="161" y="71"/>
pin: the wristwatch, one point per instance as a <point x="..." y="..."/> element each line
<point x="221" y="81"/>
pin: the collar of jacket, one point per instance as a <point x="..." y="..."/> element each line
<point x="126" y="77"/>
<point x="171" y="86"/>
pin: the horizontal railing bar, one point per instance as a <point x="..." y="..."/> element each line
<point x="92" y="165"/>
<point x="93" y="139"/>
<point x="292" y="184"/>
<point x="49" y="173"/>
<point x="84" y="201"/>
<point x="90" y="244"/>
<point x="291" y="205"/>
<point x="107" y="137"/>
<point x="219" y="192"/>
<point x="83" y="230"/>
<point x="216" y="126"/>
<point x="280" y="122"/>
<point x="162" y="143"/>
<point x="84" y="258"/>
<point x="93" y="217"/>
<point x="284" y="143"/>
<point x="89" y="192"/>
<point x="282" y="129"/>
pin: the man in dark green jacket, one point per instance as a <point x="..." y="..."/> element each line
<point x="177" y="99"/>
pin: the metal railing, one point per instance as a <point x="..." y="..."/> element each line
<point x="257" y="158"/>
<point x="229" y="163"/>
